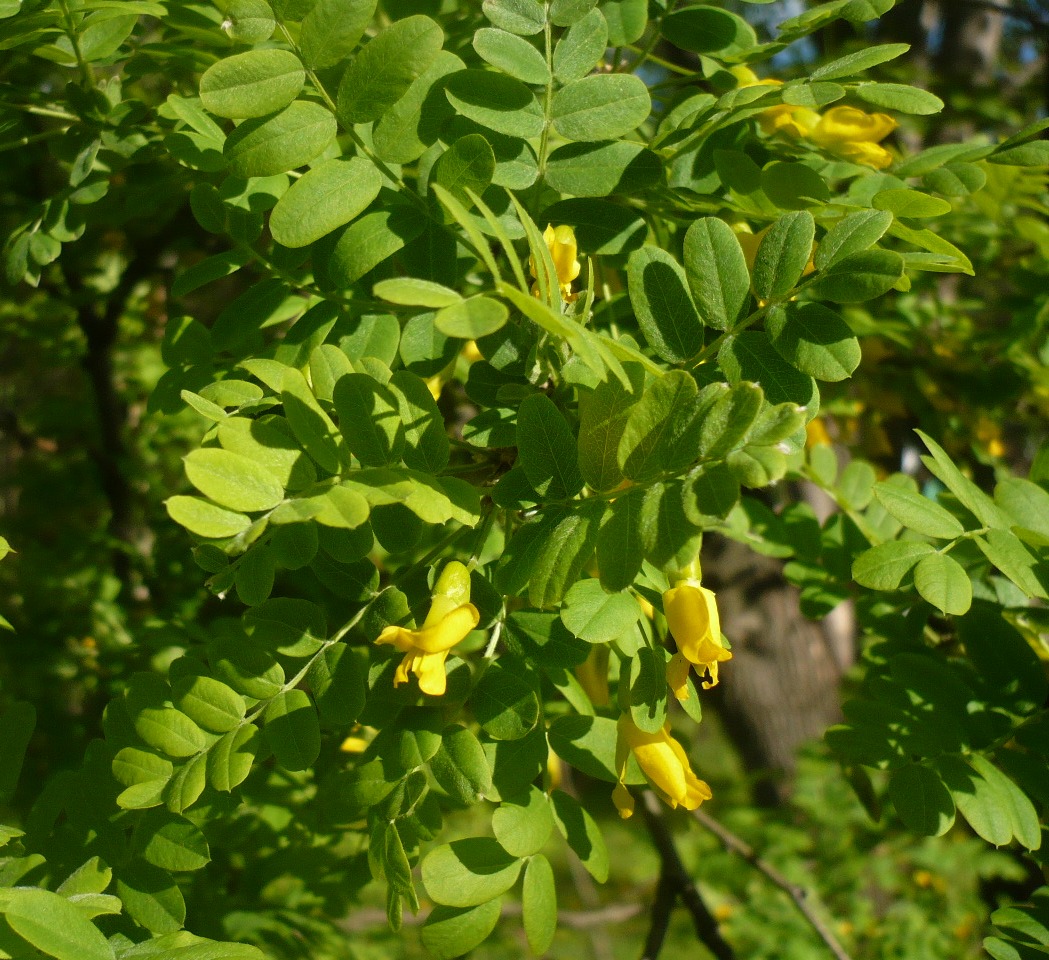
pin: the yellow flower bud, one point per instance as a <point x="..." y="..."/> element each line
<point x="692" y="616"/>
<point x="450" y="618"/>
<point x="664" y="764"/>
<point x="562" y="245"/>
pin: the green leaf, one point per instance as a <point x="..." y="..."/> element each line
<point x="249" y="21"/>
<point x="426" y="445"/>
<point x="332" y="29"/>
<point x="784" y="252"/>
<point x="596" y="616"/>
<point x="582" y="833"/>
<point x="512" y="55"/>
<point x="293" y="730"/>
<point x="814" y="339"/>
<point x="414" y="122"/>
<point x="171" y="842"/>
<point x="600" y="169"/>
<point x="728" y="420"/>
<point x="337" y="681"/>
<point x="910" y="203"/>
<point x="663" y="305"/>
<point x="917" y="512"/>
<point x="979" y="799"/>
<point x="794" y="186"/>
<point x="922" y="800"/>
<point x="18" y="721"/>
<point x="547" y="449"/>
<point x="231" y="758"/>
<point x="859" y="277"/>
<point x="942" y="581"/>
<point x="505" y="706"/>
<point x="408" y="291"/>
<point x="324" y="199"/>
<point x="369" y="418"/>
<point x="151" y="898"/>
<point x="539" y="904"/>
<point x="169" y="731"/>
<point x="208" y="703"/>
<point x="54" y="925"/>
<point x="1023" y="817"/>
<point x="1026" y="504"/>
<point x="472" y="319"/>
<point x="1034" y="154"/>
<point x="460" y="766"/>
<point x="466" y="873"/>
<point x="883" y="567"/>
<point x="448" y="931"/>
<point x="132" y="766"/>
<point x="496" y="101"/>
<point x="626" y="20"/>
<point x="602" y="418"/>
<point x="232" y="480"/>
<point x="956" y="179"/>
<point x="523" y="824"/>
<point x="187" y="785"/>
<point x="252" y="84"/>
<point x="581" y="47"/>
<point x="646" y="681"/>
<point x="853" y="63"/>
<point x="852" y="234"/>
<point x="601" y="107"/>
<point x="750" y="356"/>
<point x="668" y="537"/>
<point x="270" y="444"/>
<point x="370" y="240"/>
<point x="702" y="29"/>
<point x="1010" y="556"/>
<point x="589" y="745"/>
<point x="717" y="272"/>
<point x="645" y="444"/>
<point x="387" y="66"/>
<point x="619" y="542"/>
<point x="280" y="142"/>
<point x="899" y="96"/>
<point x="468" y="164"/>
<point x="970" y="495"/>
<point x="523" y="17"/>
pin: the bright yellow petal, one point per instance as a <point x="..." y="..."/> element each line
<point x="449" y="631"/>
<point x="624" y="801"/>
<point x="692" y="616"/>
<point x="430" y="671"/>
<point x="677" y="676"/>
<point x="851" y="125"/>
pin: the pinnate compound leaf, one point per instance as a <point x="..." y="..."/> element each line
<point x="387" y="66"/>
<point x="717" y="272"/>
<point x="252" y="84"/>
<point x="266" y="146"/>
<point x="466" y="873"/>
<point x="539" y="904"/>
<point x="332" y="29"/>
<point x="922" y="800"/>
<point x="448" y="931"/>
<point x="663" y="306"/>
<point x="54" y="925"/>
<point x="324" y="199"/>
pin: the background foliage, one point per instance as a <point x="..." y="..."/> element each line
<point x="283" y="334"/>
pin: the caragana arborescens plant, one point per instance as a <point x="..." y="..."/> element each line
<point x="492" y="315"/>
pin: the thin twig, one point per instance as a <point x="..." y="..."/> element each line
<point x="675" y="882"/>
<point x="797" y="893"/>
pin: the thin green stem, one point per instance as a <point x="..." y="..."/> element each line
<point x="86" y="73"/>
<point x="548" y="99"/>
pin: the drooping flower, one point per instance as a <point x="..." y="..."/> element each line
<point x="692" y="616"/>
<point x="788" y="120"/>
<point x="562" y="245"/>
<point x="663" y="762"/>
<point x="450" y="618"/>
<point x="849" y="132"/>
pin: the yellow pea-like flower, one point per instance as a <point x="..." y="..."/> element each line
<point x="663" y="762"/>
<point x="841" y="125"/>
<point x="692" y="616"/>
<point x="450" y="618"/>
<point x="562" y="245"/>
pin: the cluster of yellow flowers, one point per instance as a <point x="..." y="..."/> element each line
<point x="848" y="132"/>
<point x="692" y="617"/>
